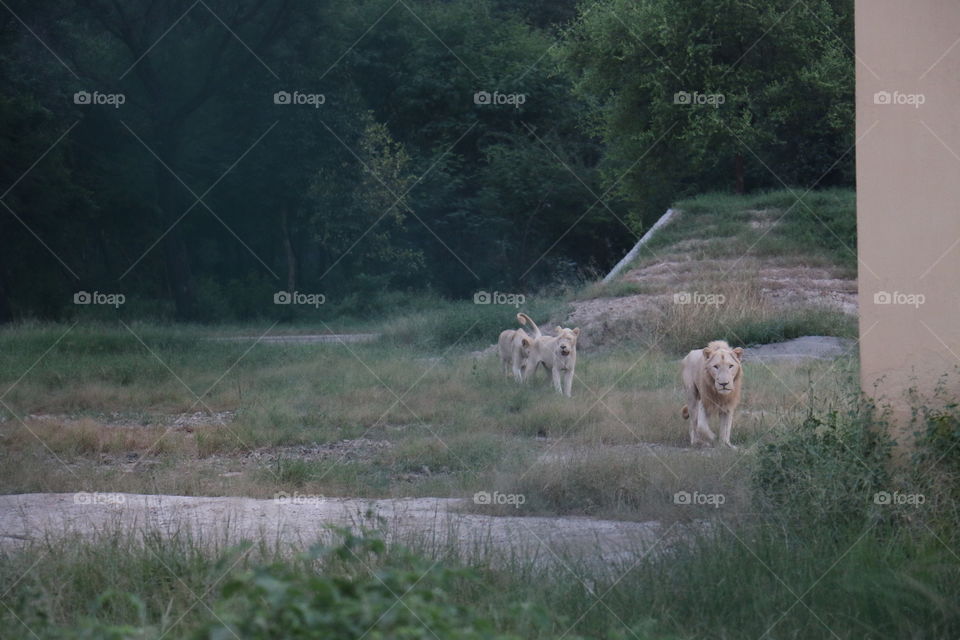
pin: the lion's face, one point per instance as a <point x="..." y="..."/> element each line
<point x="723" y="366"/>
<point x="567" y="340"/>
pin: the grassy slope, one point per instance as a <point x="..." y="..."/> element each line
<point x="819" y="229"/>
<point x="720" y="245"/>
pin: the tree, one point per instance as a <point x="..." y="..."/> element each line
<point x="694" y="96"/>
<point x="133" y="56"/>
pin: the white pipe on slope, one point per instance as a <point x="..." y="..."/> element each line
<point x="630" y="257"/>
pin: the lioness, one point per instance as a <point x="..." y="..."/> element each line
<point x="712" y="378"/>
<point x="514" y="352"/>
<point x="557" y="354"/>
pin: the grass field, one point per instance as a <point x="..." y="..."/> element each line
<point x="801" y="548"/>
<point x="446" y="422"/>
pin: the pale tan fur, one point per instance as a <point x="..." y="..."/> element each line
<point x="712" y="380"/>
<point x="514" y="347"/>
<point x="557" y="354"/>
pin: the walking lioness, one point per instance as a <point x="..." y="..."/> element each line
<point x="557" y="354"/>
<point x="514" y="347"/>
<point x="712" y="378"/>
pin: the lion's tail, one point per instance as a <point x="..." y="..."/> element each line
<point x="685" y="412"/>
<point x="523" y="318"/>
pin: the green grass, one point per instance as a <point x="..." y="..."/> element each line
<point x="734" y="581"/>
<point x="821" y="226"/>
<point x="798" y="519"/>
<point x="443" y="422"/>
<point x="816" y="556"/>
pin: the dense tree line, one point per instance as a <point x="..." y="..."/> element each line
<point x="199" y="156"/>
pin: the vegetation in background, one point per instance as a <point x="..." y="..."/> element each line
<point x="399" y="181"/>
<point x="695" y="96"/>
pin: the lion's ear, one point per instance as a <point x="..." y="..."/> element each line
<point x="525" y="342"/>
<point x="707" y="353"/>
<point x="576" y="332"/>
<point x="739" y="353"/>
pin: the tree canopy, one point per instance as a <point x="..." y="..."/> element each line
<point x="201" y="156"/>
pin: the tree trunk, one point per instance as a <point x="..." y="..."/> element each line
<point x="738" y="172"/>
<point x="174" y="248"/>
<point x="5" y="314"/>
<point x="288" y="251"/>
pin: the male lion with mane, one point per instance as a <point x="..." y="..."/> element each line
<point x="712" y="379"/>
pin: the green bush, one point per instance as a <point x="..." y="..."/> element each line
<point x="936" y="460"/>
<point x="346" y="591"/>
<point x="827" y="470"/>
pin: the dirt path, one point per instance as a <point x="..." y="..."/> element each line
<point x="807" y="347"/>
<point x="298" y="521"/>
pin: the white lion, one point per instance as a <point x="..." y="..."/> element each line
<point x="514" y="347"/>
<point x="712" y="379"/>
<point x="557" y="354"/>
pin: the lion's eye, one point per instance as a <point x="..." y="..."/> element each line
<point x="716" y="366"/>
<point x="730" y="366"/>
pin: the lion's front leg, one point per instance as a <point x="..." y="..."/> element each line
<point x="726" y="426"/>
<point x="703" y="424"/>
<point x="532" y="365"/>
<point x="517" y="368"/>
<point x="557" y="382"/>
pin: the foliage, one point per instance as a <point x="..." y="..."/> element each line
<point x="685" y="92"/>
<point x="936" y="461"/>
<point x="405" y="598"/>
<point x="828" y="470"/>
<point x="200" y="196"/>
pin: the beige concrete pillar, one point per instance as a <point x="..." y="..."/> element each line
<point x="908" y="195"/>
